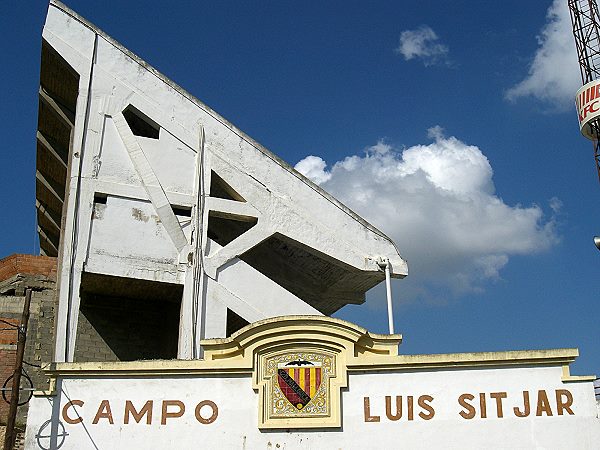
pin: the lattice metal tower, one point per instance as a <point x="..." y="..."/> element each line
<point x="586" y="30"/>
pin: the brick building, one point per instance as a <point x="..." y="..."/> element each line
<point x="17" y="273"/>
<point x="100" y="313"/>
<point x="110" y="327"/>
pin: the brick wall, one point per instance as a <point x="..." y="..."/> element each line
<point x="8" y="347"/>
<point x="124" y="319"/>
<point x="7" y="362"/>
<point x="38" y="346"/>
<point x="18" y="272"/>
<point x="119" y="320"/>
<point x="8" y="333"/>
<point x="126" y="329"/>
<point x="27" y="264"/>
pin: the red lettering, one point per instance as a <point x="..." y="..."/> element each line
<point x="166" y="414"/>
<point x="564" y="405"/>
<point x="367" y="410"/>
<point x="589" y="109"/>
<point x="469" y="411"/>
<point x="214" y="412"/>
<point x="65" y="415"/>
<point x="104" y="412"/>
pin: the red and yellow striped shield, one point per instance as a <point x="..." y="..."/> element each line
<point x="299" y="381"/>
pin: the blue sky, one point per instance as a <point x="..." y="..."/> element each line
<point x="449" y="125"/>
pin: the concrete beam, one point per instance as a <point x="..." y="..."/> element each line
<point x="235" y="248"/>
<point x="50" y="148"/>
<point x="63" y="113"/>
<point x="47" y="215"/>
<point x="231" y="208"/>
<point x="44" y="236"/>
<point x="139" y="193"/>
<point x="151" y="183"/>
<point x="48" y="186"/>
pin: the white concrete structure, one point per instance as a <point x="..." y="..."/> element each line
<point x="375" y="398"/>
<point x="138" y="180"/>
<point x="152" y="201"/>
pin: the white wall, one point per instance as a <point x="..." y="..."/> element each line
<point x="236" y="424"/>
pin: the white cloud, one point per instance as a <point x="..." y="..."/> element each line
<point x="438" y="203"/>
<point x="313" y="167"/>
<point x="422" y="43"/>
<point x="554" y="72"/>
<point x="556" y="204"/>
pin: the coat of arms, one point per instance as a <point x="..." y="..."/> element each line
<point x="299" y="381"/>
<point x="299" y="384"/>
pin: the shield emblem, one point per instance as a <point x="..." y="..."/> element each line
<point x="299" y="381"/>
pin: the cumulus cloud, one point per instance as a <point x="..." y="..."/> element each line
<point x="422" y="43"/>
<point x="553" y="73"/>
<point x="438" y="203"/>
<point x="313" y="167"/>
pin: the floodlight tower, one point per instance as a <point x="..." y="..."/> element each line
<point x="586" y="30"/>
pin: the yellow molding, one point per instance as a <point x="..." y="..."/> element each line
<point x="478" y="359"/>
<point x="50" y="392"/>
<point x="143" y="368"/>
<point x="568" y="378"/>
<point x="362" y="351"/>
<point x="301" y="326"/>
<point x="401" y="362"/>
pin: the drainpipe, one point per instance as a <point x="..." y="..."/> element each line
<point x="384" y="264"/>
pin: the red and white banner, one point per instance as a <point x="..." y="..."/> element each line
<point x="587" y="102"/>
